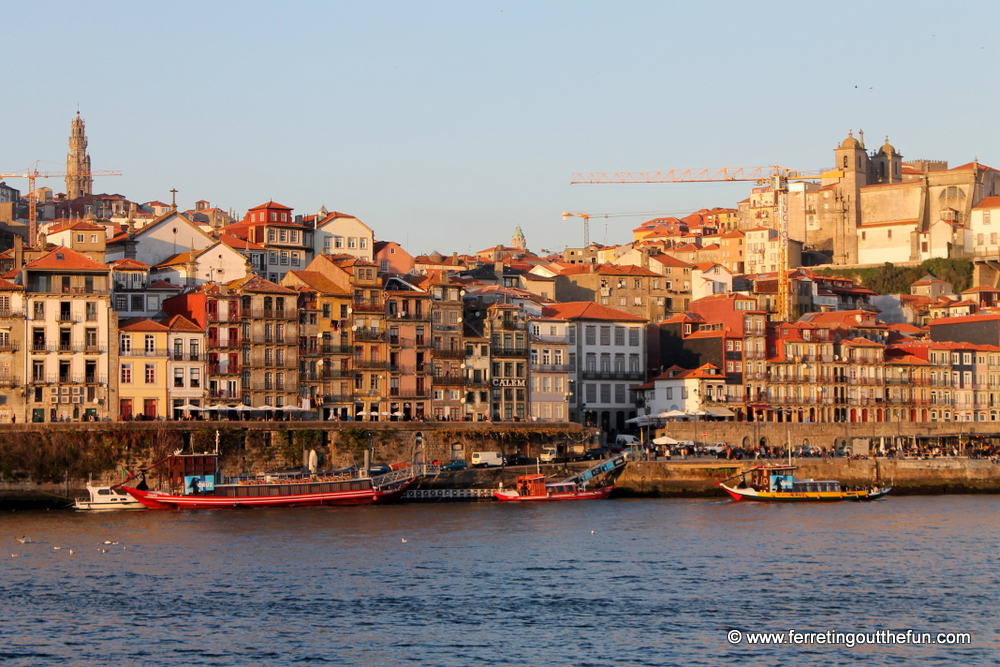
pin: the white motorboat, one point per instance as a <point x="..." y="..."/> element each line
<point x="104" y="498"/>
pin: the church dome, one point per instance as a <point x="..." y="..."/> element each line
<point x="850" y="141"/>
<point x="887" y="149"/>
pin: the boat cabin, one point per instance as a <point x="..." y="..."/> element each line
<point x="193" y="473"/>
<point x="815" y="485"/>
<point x="535" y="485"/>
<point x="531" y="485"/>
<point x="780" y="479"/>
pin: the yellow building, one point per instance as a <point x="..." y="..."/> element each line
<point x="142" y="373"/>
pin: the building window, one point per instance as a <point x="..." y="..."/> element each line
<point x="179" y="377"/>
<point x="126" y="373"/>
<point x="150" y="374"/>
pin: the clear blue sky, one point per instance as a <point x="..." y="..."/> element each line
<point x="445" y="125"/>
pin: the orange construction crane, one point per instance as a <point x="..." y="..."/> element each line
<point x="777" y="176"/>
<point x="709" y="175"/>
<point x="31" y="175"/>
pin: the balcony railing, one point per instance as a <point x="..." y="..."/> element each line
<point x="224" y="394"/>
<point x="371" y="365"/>
<point x="409" y="393"/>
<point x="337" y="398"/>
<point x="412" y="317"/>
<point x="511" y="325"/>
<point x="186" y="356"/>
<point x="441" y="353"/>
<point x="10" y="347"/>
<point x="448" y="380"/>
<point x="555" y="368"/>
<point x="372" y="335"/>
<point x="135" y="352"/>
<point x="613" y="375"/>
<point x="368" y="306"/>
<point x="11" y="314"/>
<point x="273" y="314"/>
<point x="233" y="318"/>
<point x="510" y="351"/>
<point x="224" y="369"/>
<point x="7" y="380"/>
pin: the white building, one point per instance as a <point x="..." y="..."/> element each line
<point x="607" y="349"/>
<point x="342" y="234"/>
<point x="548" y="369"/>
<point x="984" y="227"/>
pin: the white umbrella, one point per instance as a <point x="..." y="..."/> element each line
<point x="241" y="408"/>
<point x="187" y="407"/>
<point x="293" y="408"/>
<point x="673" y="414"/>
<point x="397" y="413"/>
<point x="665" y="440"/>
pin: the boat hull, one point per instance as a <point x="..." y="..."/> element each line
<point x="737" y="493"/>
<point x="162" y="501"/>
<point x="593" y="494"/>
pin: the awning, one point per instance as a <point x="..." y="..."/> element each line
<point x="720" y="412"/>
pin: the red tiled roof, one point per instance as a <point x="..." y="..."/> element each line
<point x="128" y="264"/>
<point x="181" y="323"/>
<point x="587" y="310"/>
<point x="608" y="270"/>
<point x="319" y="282"/>
<point x="141" y="324"/>
<point x="65" y="259"/>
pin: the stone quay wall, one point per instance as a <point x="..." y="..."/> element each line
<point x="906" y="476"/>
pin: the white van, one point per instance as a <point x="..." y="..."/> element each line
<point x="486" y="459"/>
<point x="626" y="441"/>
<point x="548" y="455"/>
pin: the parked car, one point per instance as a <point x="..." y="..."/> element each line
<point x="517" y="460"/>
<point x="596" y="454"/>
<point x="717" y="448"/>
<point x="454" y="465"/>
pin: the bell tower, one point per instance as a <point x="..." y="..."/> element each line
<point x="79" y="181"/>
<point x="853" y="163"/>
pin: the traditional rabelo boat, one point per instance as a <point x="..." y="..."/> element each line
<point x="777" y="484"/>
<point x="194" y="484"/>
<point x="536" y="488"/>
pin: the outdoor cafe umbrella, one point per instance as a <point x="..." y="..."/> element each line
<point x="188" y="407"/>
<point x="665" y="440"/>
<point x="673" y="414"/>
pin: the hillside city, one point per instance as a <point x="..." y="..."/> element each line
<point x="118" y="310"/>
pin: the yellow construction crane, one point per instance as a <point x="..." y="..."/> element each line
<point x="31" y="175"/>
<point x="776" y="176"/>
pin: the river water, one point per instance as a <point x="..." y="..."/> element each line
<point x="618" y="582"/>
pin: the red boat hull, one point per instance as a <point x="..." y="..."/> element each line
<point x="593" y="494"/>
<point x="163" y="501"/>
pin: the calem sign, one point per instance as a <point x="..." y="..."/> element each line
<point x="508" y="382"/>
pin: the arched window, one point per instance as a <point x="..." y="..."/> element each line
<point x="845" y="162"/>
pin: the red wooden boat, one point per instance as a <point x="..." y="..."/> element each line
<point x="192" y="480"/>
<point x="534" y="488"/>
